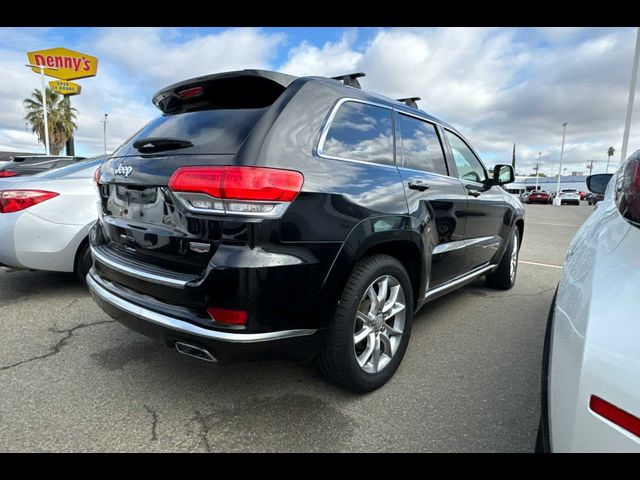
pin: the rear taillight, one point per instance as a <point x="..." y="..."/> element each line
<point x="623" y="419"/>
<point x="627" y="192"/>
<point x="246" y="191"/>
<point x="8" y="173"/>
<point x="16" y="200"/>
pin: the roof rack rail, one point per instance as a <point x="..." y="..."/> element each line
<point x="410" y="102"/>
<point x="350" y="79"/>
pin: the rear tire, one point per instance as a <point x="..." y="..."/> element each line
<point x="504" y="277"/>
<point x="366" y="340"/>
<point x="83" y="262"/>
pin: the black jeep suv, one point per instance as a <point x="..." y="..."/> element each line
<point x="267" y="215"/>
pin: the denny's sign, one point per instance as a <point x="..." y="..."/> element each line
<point x="63" y="63"/>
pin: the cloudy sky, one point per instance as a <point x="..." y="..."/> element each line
<point x="496" y="85"/>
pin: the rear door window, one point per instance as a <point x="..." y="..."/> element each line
<point x="220" y="131"/>
<point x="420" y="146"/>
<point x="362" y="132"/>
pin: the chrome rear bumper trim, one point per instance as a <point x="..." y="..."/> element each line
<point x="136" y="273"/>
<point x="186" y="327"/>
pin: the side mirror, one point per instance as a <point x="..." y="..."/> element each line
<point x="503" y="174"/>
<point x="598" y="183"/>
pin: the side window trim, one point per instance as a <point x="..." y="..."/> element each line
<point x="473" y="152"/>
<point x="398" y="143"/>
<point x="329" y="121"/>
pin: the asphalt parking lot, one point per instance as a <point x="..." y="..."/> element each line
<point x="74" y="380"/>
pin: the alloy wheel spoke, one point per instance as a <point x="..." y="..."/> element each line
<point x="392" y="330"/>
<point x="386" y="343"/>
<point x="361" y="335"/>
<point x="397" y="308"/>
<point x="383" y="290"/>
<point x="364" y="317"/>
<point x="375" y="356"/>
<point x="375" y="303"/>
<point x="366" y="354"/>
<point x="393" y="297"/>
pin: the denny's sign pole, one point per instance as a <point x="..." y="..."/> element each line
<point x="65" y="65"/>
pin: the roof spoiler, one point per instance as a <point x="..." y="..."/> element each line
<point x="350" y="79"/>
<point x="410" y="101"/>
<point x="237" y="89"/>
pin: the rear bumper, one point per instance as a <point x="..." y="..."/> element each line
<point x="224" y="345"/>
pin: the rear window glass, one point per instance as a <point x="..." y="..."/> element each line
<point x="360" y="132"/>
<point x="220" y="131"/>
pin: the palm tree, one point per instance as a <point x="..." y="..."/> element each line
<point x="61" y="118"/>
<point x="610" y="153"/>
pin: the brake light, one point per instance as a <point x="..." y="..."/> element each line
<point x="97" y="174"/>
<point x="614" y="414"/>
<point x="232" y="317"/>
<point x="8" y="173"/>
<point x="190" y="92"/>
<point x="627" y="192"/>
<point x="249" y="191"/>
<point x="16" y="200"/>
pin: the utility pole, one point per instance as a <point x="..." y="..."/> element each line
<point x="632" y="91"/>
<point x="105" y="132"/>
<point x="590" y="166"/>
<point x="538" y="169"/>
<point x="556" y="200"/>
<point x="71" y="150"/>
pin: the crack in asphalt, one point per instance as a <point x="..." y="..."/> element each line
<point x="204" y="431"/>
<point x="154" y="420"/>
<point x="58" y="346"/>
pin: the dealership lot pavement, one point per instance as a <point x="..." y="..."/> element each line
<point x="74" y="380"/>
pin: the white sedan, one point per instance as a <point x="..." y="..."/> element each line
<point x="591" y="366"/>
<point x="45" y="219"/>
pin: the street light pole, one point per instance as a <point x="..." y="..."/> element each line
<point x="105" y="132"/>
<point x="556" y="200"/>
<point x="538" y="169"/>
<point x="632" y="91"/>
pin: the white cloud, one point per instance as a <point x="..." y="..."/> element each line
<point x="164" y="56"/>
<point x="333" y="58"/>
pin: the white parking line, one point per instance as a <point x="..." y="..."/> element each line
<point x="554" y="224"/>
<point x="540" y="264"/>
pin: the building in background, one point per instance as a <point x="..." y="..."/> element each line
<point x="549" y="184"/>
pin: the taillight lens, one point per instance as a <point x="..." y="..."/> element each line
<point x="8" y="173"/>
<point x="232" y="317"/>
<point x="628" y="191"/>
<point x="16" y="200"/>
<point x="249" y="191"/>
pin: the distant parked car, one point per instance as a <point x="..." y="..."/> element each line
<point x="45" y="219"/>
<point x="590" y="375"/>
<point x="569" y="197"/>
<point x="524" y="195"/>
<point x="583" y="195"/>
<point x="538" y="196"/>
<point x="23" y="166"/>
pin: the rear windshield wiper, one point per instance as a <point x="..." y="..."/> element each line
<point x="157" y="144"/>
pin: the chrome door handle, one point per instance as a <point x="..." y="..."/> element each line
<point x="418" y="185"/>
<point x="471" y="190"/>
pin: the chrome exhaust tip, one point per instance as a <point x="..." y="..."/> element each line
<point x="195" y="352"/>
